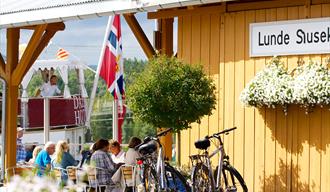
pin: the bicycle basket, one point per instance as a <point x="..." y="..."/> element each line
<point x="202" y="144"/>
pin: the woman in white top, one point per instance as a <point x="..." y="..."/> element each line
<point x="132" y="154"/>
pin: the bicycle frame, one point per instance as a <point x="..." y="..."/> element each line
<point x="220" y="163"/>
<point x="160" y="167"/>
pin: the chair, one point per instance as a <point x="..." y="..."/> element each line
<point x="128" y="177"/>
<point x="92" y="178"/>
<point x="74" y="174"/>
<point x="60" y="174"/>
<point x="18" y="170"/>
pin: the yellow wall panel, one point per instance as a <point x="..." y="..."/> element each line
<point x="249" y="124"/>
<point x="272" y="151"/>
<point x="238" y="134"/>
<point x="205" y="61"/>
<point x="195" y="60"/>
<point x="214" y="74"/>
<point x="186" y="56"/>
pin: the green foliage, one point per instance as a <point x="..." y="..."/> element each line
<point x="136" y="128"/>
<point x="170" y="93"/>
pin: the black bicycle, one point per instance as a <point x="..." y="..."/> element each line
<point x="225" y="178"/>
<point x="156" y="174"/>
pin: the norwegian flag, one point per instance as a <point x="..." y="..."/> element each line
<point x="62" y="54"/>
<point x="112" y="70"/>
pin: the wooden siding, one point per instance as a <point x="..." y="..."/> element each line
<point x="272" y="151"/>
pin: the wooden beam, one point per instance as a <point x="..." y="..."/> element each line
<point x="51" y="26"/>
<point x="139" y="34"/>
<point x="43" y="43"/>
<point x="233" y="7"/>
<point x="13" y="35"/>
<point x="170" y="13"/>
<point x="18" y="73"/>
<point x="230" y="7"/>
<point x="11" y="97"/>
<point x="2" y="67"/>
<point x="51" y="30"/>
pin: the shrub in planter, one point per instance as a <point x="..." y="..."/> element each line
<point x="171" y="93"/>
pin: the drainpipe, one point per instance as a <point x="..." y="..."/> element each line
<point x="3" y="128"/>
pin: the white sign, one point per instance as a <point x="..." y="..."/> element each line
<point x="307" y="36"/>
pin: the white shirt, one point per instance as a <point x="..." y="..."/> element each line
<point x="119" y="158"/>
<point x="48" y="90"/>
<point x="131" y="156"/>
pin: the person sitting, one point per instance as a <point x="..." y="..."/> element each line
<point x="86" y="154"/>
<point x="101" y="159"/>
<point x="35" y="153"/>
<point x="63" y="159"/>
<point x="50" y="88"/>
<point x="43" y="160"/>
<point x="117" y="155"/>
<point x="29" y="150"/>
<point x="132" y="154"/>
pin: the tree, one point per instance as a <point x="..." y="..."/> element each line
<point x="171" y="93"/>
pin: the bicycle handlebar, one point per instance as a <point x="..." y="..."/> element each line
<point x="221" y="132"/>
<point x="147" y="139"/>
<point x="164" y="132"/>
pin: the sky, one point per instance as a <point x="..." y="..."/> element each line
<point x="83" y="38"/>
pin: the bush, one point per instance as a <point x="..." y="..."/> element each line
<point x="170" y="93"/>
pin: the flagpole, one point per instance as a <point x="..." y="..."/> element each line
<point x="97" y="74"/>
<point x="115" y="120"/>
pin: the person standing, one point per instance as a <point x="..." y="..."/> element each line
<point x="50" y="88"/>
<point x="20" y="150"/>
<point x="43" y="160"/>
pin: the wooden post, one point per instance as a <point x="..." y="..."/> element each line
<point x="13" y="72"/>
<point x="11" y="97"/>
<point x="165" y="26"/>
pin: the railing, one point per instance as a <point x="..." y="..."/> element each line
<point x="63" y="112"/>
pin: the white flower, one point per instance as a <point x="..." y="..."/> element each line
<point x="312" y="85"/>
<point x="271" y="86"/>
<point x="31" y="183"/>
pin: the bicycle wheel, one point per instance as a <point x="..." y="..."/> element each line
<point x="175" y="181"/>
<point x="150" y="181"/>
<point x="201" y="179"/>
<point x="231" y="180"/>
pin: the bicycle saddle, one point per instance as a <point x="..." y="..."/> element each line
<point x="202" y="144"/>
<point x="147" y="148"/>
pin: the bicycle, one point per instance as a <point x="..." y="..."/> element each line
<point x="156" y="174"/>
<point x="203" y="178"/>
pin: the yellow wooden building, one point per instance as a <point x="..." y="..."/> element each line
<point x="273" y="152"/>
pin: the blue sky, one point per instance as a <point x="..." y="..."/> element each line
<point x="83" y="38"/>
